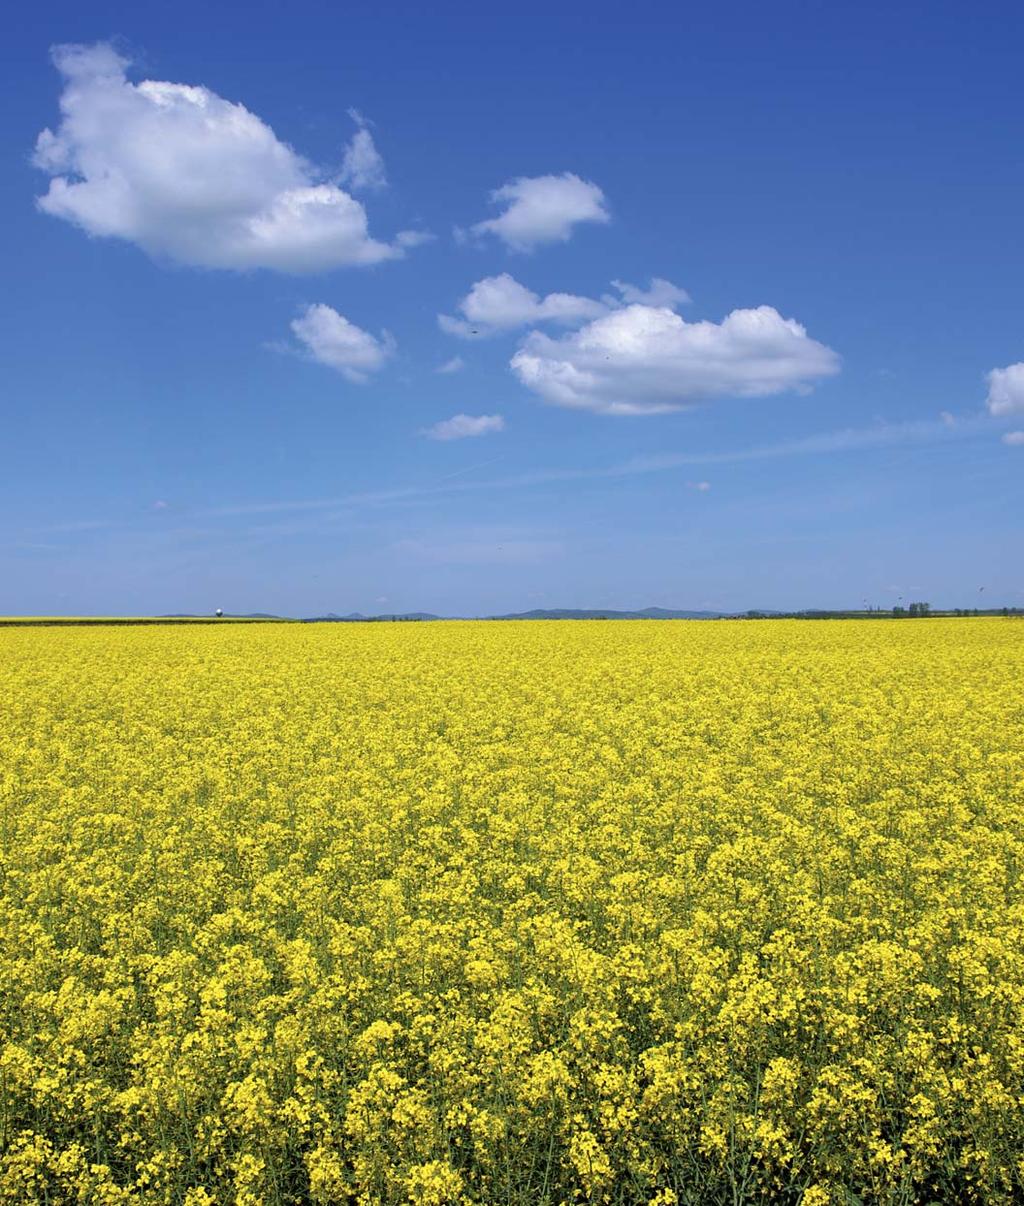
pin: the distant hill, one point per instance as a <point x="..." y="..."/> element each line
<point x="540" y="613"/>
<point x="357" y="617"/>
<point x="573" y="613"/>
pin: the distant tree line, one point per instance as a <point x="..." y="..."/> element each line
<point x="911" y="611"/>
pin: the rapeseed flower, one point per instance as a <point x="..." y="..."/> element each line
<point x="666" y="913"/>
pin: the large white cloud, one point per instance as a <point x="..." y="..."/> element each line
<point x="330" y="339"/>
<point x="183" y="173"/>
<point x="543" y="209"/>
<point x="647" y="360"/>
<point x="461" y="427"/>
<point x="500" y="303"/>
<point x="1006" y="390"/>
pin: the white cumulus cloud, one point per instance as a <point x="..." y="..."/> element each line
<point x="185" y="174"/>
<point x="461" y="427"/>
<point x="543" y="209"/>
<point x="362" y="168"/>
<point x="647" y="360"/>
<point x="1006" y="390"/>
<point x="1014" y="438"/>
<point x="329" y="338"/>
<point x="455" y="365"/>
<point x="499" y="303"/>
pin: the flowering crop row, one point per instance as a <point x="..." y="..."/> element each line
<point x="511" y="912"/>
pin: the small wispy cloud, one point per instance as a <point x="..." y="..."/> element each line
<point x="330" y="339"/>
<point x="659" y="292"/>
<point x="543" y="209"/>
<point x="461" y="427"/>
<point x="501" y="303"/>
<point x="1006" y="390"/>
<point x="1014" y="438"/>
<point x="362" y="168"/>
<point x="455" y="365"/>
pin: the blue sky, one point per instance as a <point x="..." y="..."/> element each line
<point x="230" y="290"/>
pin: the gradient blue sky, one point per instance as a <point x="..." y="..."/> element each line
<point x="170" y="444"/>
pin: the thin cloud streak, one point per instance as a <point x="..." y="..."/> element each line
<point x="850" y="439"/>
<point x="471" y="468"/>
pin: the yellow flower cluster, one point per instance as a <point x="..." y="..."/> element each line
<point x="616" y="912"/>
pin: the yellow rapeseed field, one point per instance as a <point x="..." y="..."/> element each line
<point x="513" y="913"/>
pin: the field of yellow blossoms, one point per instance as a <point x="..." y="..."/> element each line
<point x="513" y="913"/>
